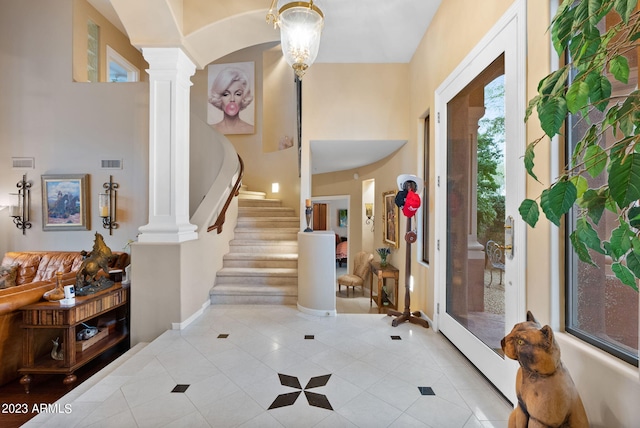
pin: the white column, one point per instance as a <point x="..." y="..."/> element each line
<point x="169" y="71"/>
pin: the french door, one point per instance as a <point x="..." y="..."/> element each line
<point x="480" y="253"/>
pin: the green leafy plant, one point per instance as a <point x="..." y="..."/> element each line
<point x="609" y="149"/>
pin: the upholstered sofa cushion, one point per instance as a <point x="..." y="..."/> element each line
<point x="8" y="275"/>
<point x="38" y="266"/>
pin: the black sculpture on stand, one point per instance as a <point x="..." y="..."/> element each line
<point x="408" y="199"/>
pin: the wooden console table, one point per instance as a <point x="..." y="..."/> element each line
<point x="382" y="273"/>
<point x="68" y="320"/>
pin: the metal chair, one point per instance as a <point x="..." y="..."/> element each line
<point x="494" y="256"/>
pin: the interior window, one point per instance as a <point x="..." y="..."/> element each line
<point x="93" y="46"/>
<point x="120" y="70"/>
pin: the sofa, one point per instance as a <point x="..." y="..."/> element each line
<point x="34" y="274"/>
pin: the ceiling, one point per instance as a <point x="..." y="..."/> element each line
<point x="356" y="31"/>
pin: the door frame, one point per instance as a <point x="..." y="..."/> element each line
<point x="515" y="74"/>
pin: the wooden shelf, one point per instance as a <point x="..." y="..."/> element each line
<point x="52" y="315"/>
<point x="46" y="364"/>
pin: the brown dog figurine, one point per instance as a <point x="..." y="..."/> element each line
<point x="547" y="396"/>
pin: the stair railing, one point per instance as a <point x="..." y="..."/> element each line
<point x="234" y="192"/>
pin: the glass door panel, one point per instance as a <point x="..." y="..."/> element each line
<point x="476" y="206"/>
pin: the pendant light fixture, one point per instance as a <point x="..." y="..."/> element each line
<point x="300" y="25"/>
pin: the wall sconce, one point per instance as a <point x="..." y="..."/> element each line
<point x="109" y="205"/>
<point x="368" y="209"/>
<point x="20" y="212"/>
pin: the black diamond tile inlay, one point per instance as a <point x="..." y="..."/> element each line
<point x="223" y="336"/>
<point x="396" y="338"/>
<point x="426" y="390"/>
<point x="284" y="400"/>
<point x="180" y="388"/>
<point x="309" y="336"/>
<point x="315" y="400"/>
<point x="317" y="381"/>
<point x="318" y="400"/>
<point x="292" y="381"/>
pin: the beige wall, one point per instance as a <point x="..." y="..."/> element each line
<point x="359" y="102"/>
<point x="109" y="35"/>
<point x="609" y="388"/>
<point x="263" y="165"/>
<point x="67" y="127"/>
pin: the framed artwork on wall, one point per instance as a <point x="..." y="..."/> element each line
<point x="342" y="218"/>
<point x="64" y="202"/>
<point x="390" y="219"/>
<point x="230" y="106"/>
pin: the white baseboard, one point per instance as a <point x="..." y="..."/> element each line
<point x="317" y="312"/>
<point x="182" y="325"/>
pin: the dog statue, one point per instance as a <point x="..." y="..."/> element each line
<point x="547" y="396"/>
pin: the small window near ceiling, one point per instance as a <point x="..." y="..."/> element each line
<point x="425" y="195"/>
<point x="93" y="46"/>
<point x="120" y="70"/>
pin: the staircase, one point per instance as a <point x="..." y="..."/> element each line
<point x="262" y="264"/>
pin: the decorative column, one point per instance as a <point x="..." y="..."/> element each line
<point x="169" y="71"/>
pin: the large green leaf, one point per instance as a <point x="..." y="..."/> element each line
<point x="624" y="179"/>
<point x="600" y="90"/>
<point x="529" y="155"/>
<point x="594" y="202"/>
<point x="581" y="184"/>
<point x="529" y="212"/>
<point x="588" y="236"/>
<point x="552" y="113"/>
<point x="619" y="67"/>
<point x="562" y="196"/>
<point x="588" y="12"/>
<point x="545" y="204"/>
<point x="595" y="160"/>
<point x="561" y="26"/>
<point x="581" y="249"/>
<point x="532" y="103"/>
<point x="625" y="8"/>
<point x="633" y="260"/>
<point x="554" y="82"/>
<point x="621" y="240"/>
<point x="577" y="96"/>
<point x="624" y="275"/>
<point x="633" y="216"/>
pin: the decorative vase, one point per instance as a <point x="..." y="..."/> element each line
<point x="308" y="212"/>
<point x="383" y="262"/>
<point x="58" y="292"/>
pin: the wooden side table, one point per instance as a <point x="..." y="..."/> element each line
<point x="382" y="273"/>
<point x="67" y="320"/>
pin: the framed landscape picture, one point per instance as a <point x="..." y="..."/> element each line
<point x="64" y="202"/>
<point x="390" y="219"/>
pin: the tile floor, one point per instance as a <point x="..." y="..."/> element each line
<point x="278" y="367"/>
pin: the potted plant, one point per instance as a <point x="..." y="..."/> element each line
<point x="383" y="252"/>
<point x="582" y="86"/>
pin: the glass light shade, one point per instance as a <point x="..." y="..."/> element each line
<point x="14" y="211"/>
<point x="300" y="29"/>
<point x="104" y="205"/>
<point x="368" y="209"/>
